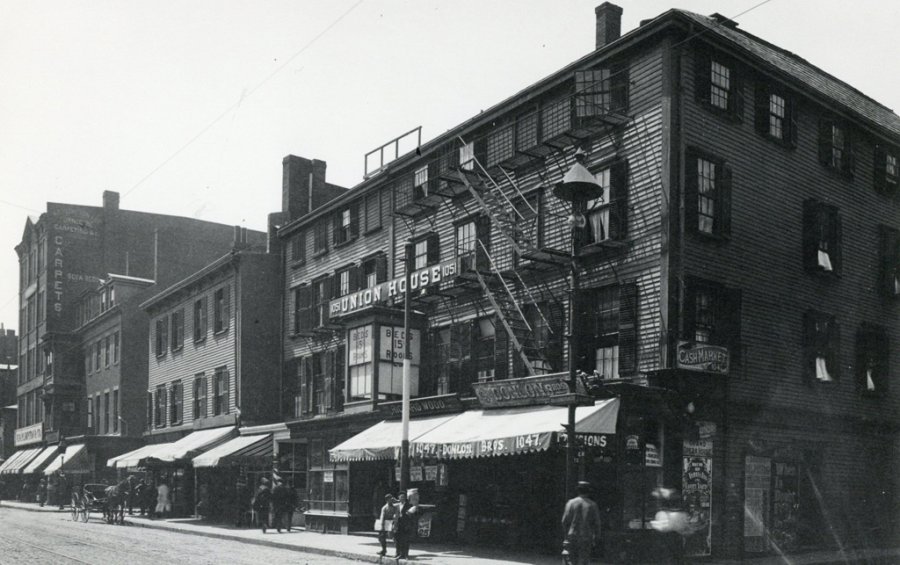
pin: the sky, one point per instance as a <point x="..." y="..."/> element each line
<point x="188" y="107"/>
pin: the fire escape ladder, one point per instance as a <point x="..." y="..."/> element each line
<point x="501" y="297"/>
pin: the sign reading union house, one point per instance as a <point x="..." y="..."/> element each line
<point x="383" y="291"/>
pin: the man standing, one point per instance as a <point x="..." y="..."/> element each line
<point x="581" y="525"/>
<point x="280" y="503"/>
<point x="386" y="521"/>
<point x="261" y="503"/>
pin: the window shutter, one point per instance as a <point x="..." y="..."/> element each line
<point x="736" y="97"/>
<point x="862" y="358"/>
<point x="619" y="89"/>
<point x="501" y="351"/>
<point x="810" y="339"/>
<point x="848" y="161"/>
<point x="556" y="315"/>
<point x="340" y="357"/>
<point x="688" y="312"/>
<point x="434" y="249"/>
<point x="761" y="109"/>
<point x="628" y="329"/>
<point x="354" y="278"/>
<point x="837" y="237"/>
<point x="226" y="306"/>
<point x="879" y="162"/>
<point x="226" y="389"/>
<point x="354" y="220"/>
<point x="834" y="348"/>
<point x="731" y="322"/>
<point x="481" y="151"/>
<point x="381" y="268"/>
<point x="483" y="234"/>
<point x="329" y="378"/>
<point x="723" y="203"/>
<point x="306" y="384"/>
<point x="810" y="234"/>
<point x="304" y="308"/>
<point x="702" y="75"/>
<point x="618" y="192"/>
<point x="890" y="259"/>
<point x="690" y="191"/>
<point x="336" y="230"/>
<point x="825" y="142"/>
<point x="791" y="120"/>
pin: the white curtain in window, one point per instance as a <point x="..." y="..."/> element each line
<point x="825" y="260"/>
<point x="822" y="370"/>
<point x="870" y="382"/>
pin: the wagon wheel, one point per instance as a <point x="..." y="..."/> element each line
<point x="74" y="511"/>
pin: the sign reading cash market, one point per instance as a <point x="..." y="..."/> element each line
<point x="381" y="292"/>
<point x="702" y="357"/>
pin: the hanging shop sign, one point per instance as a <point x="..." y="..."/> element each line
<point x="29" y="434"/>
<point x="702" y="357"/>
<point x="424" y="406"/>
<point x="381" y="292"/>
<point x="521" y="392"/>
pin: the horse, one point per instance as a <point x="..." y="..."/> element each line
<point x="114" y="509"/>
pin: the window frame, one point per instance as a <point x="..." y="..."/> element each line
<point x="885" y="158"/>
<point x="161" y="336"/>
<point x="839" y="158"/>
<point x="724" y="315"/>
<point x="889" y="262"/>
<point x="822" y="233"/>
<point x="221" y="391"/>
<point x="721" y="200"/>
<point x="159" y="407"/>
<point x="176" y="403"/>
<point x="707" y="91"/>
<point x="201" y="319"/>
<point x="221" y="309"/>
<point x="873" y="353"/>
<point x="200" y="394"/>
<point x="821" y="338"/>
<point x="177" y="330"/>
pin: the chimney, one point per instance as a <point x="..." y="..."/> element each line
<point x="302" y="185"/>
<point x="110" y="200"/>
<point x="609" y="23"/>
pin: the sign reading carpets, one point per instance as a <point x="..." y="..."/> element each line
<point x="702" y="357"/>
<point x="396" y="287"/>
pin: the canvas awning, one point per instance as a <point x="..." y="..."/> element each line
<point x="19" y="460"/>
<point x="192" y="445"/>
<point x="382" y="441"/>
<point x="238" y="451"/>
<point x="133" y="459"/>
<point x="73" y="460"/>
<point x="508" y="431"/>
<point x="42" y="459"/>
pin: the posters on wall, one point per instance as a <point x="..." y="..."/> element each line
<point x="697" y="497"/>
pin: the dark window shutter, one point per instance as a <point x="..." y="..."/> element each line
<point x="825" y="142"/>
<point x="618" y="192"/>
<point x="628" y="328"/>
<point x="329" y="378"/>
<point x="731" y="322"/>
<point x="305" y="307"/>
<point x="702" y="75"/>
<point x="834" y="349"/>
<point x="848" y="160"/>
<point x="791" y="120"/>
<point x="810" y="234"/>
<point x="434" y="249"/>
<point x="879" y="162"/>
<point x="481" y="151"/>
<point x="810" y="339"/>
<point x="336" y="231"/>
<point x="837" y="238"/>
<point x="501" y="351"/>
<point x="863" y="357"/>
<point x="736" y="96"/>
<point x="690" y="192"/>
<point x="761" y="109"/>
<point x="226" y="306"/>
<point x="619" y="89"/>
<point x="306" y="384"/>
<point x="226" y="390"/>
<point x="354" y="278"/>
<point x="354" y="220"/>
<point x="340" y="356"/>
<point x="723" y="202"/>
<point x="483" y="234"/>
<point x="889" y="258"/>
<point x="556" y="316"/>
<point x="689" y="311"/>
<point x="381" y="268"/>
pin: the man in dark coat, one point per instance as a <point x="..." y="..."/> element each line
<point x="280" y="504"/>
<point x="581" y="525"/>
<point x="261" y="503"/>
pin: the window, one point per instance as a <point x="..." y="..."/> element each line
<point x="717" y="84"/>
<point x="426" y="251"/>
<point x="103" y="298"/>
<point x="177" y="320"/>
<point x="162" y="335"/>
<point x="346" y="224"/>
<point x="490" y="350"/>
<point x="87" y="360"/>
<point x="872" y="367"/>
<point x="467" y="156"/>
<point x="90" y="416"/>
<point x="500" y="145"/>
<point x="712" y="315"/>
<point x="420" y="183"/>
<point x="97" y="346"/>
<point x="321" y="295"/>
<point x="303" y="310"/>
<point x="556" y="118"/>
<point x="374" y="270"/>
<point x="222" y="312"/>
<point x="890" y="261"/>
<point x="176" y="398"/>
<point x="887" y="170"/>
<point x="821" y="238"/>
<point x="835" y="147"/>
<point x="115" y="410"/>
<point x="200" y="319"/>
<point x="106" y="350"/>
<point x="607" y="341"/>
<point x="707" y="195"/>
<point x="775" y="115"/>
<point x="150" y="409"/>
<point x="373" y="211"/>
<point x="220" y="391"/>
<point x="346" y="281"/>
<point x="199" y="396"/>
<point x="320" y="236"/>
<point x="116" y="347"/>
<point x="318" y="383"/>
<point x="465" y="246"/>
<point x="822" y="345"/>
<point x="106" y="411"/>
<point x="98" y="413"/>
<point x="298" y="248"/>
<point x="159" y="416"/>
<point x="112" y="296"/>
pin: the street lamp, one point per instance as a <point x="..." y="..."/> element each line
<point x="578" y="187"/>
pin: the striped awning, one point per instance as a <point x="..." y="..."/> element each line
<point x="238" y="451"/>
<point x="74" y="460"/>
<point x="42" y="459"/>
<point x="133" y="459"/>
<point x="19" y="460"/>
<point x="382" y="441"/>
<point x="192" y="445"/>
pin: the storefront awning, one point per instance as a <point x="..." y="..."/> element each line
<point x="74" y="460"/>
<point x="42" y="459"/>
<point x="382" y="441"/>
<point x="19" y="460"/>
<point x="508" y="431"/>
<point x="192" y="445"/>
<point x="133" y="459"/>
<point x="237" y="451"/>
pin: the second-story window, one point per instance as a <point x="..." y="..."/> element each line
<point x="821" y="341"/>
<point x="374" y="270"/>
<point x="199" y="396"/>
<point x="346" y="281"/>
<point x="176" y="398"/>
<point x="426" y="251"/>
<point x="115" y="410"/>
<point x="321" y="295"/>
<point x="200" y="319"/>
<point x="177" y="319"/>
<point x="97" y="347"/>
<point x="159" y="416"/>
<point x="707" y="194"/>
<point x="835" y="147"/>
<point x="465" y="246"/>
<point x="886" y="170"/>
<point x="162" y="335"/>
<point x="889" y="256"/>
<point x="220" y="390"/>
<point x="222" y="308"/>
<point x="712" y="315"/>
<point x="821" y="238"/>
<point x="90" y="416"/>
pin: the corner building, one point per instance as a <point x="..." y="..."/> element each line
<point x="737" y="295"/>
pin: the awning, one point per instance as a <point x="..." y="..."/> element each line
<point x="382" y="441"/>
<point x="42" y="459"/>
<point x="192" y="445"/>
<point x="19" y="460"/>
<point x="508" y="431"/>
<point x="133" y="459"/>
<point x="74" y="460"/>
<point x="237" y="451"/>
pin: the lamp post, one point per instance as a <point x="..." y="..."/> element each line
<point x="407" y="362"/>
<point x="578" y="186"/>
<point x="59" y="480"/>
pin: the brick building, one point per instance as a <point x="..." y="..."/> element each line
<point x="739" y="281"/>
<point x="8" y="370"/>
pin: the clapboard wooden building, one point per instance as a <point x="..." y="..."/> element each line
<point x="738" y="286"/>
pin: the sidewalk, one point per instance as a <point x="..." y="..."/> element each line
<point x="365" y="547"/>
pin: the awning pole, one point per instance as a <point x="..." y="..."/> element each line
<point x="407" y="361"/>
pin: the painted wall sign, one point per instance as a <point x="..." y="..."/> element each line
<point x="393" y="344"/>
<point x="29" y="434"/>
<point x="702" y="357"/>
<point x="521" y="392"/>
<point x="360" y="345"/>
<point x="696" y="491"/>
<point x="423" y="406"/>
<point x="382" y="292"/>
